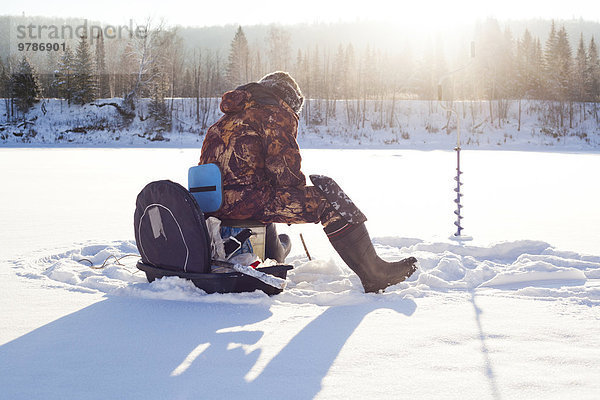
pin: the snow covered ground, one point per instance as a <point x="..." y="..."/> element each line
<point x="412" y="124"/>
<point x="513" y="314"/>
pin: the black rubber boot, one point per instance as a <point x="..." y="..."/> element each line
<point x="353" y="244"/>
<point x="277" y="247"/>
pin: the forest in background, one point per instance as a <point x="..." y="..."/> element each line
<point x="498" y="62"/>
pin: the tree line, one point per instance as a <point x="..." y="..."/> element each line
<point x="160" y="67"/>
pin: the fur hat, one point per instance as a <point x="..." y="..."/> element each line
<point x="285" y="87"/>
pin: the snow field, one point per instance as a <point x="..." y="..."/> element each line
<point x="521" y="269"/>
<point x="513" y="314"/>
<point x="179" y="342"/>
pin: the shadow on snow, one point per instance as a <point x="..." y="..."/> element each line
<point x="141" y="349"/>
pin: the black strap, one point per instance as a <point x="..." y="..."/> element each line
<point x="213" y="188"/>
<point x="200" y="189"/>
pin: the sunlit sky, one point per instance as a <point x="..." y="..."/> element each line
<point x="416" y="13"/>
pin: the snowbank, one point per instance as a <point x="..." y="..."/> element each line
<point x="520" y="268"/>
<point x="408" y="124"/>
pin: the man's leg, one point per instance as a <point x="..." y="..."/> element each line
<point x="345" y="230"/>
<point x="294" y="206"/>
<point x="349" y="237"/>
<point x="299" y="205"/>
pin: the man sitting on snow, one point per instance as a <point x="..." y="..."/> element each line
<point x="254" y="144"/>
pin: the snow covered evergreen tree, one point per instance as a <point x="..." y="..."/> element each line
<point x="126" y="77"/>
<point x="526" y="79"/>
<point x="559" y="74"/>
<point x="5" y="89"/>
<point x="525" y="65"/>
<point x="24" y="86"/>
<point x="157" y="109"/>
<point x="580" y="72"/>
<point x="101" y="72"/>
<point x="4" y="92"/>
<point x="49" y="89"/>
<point x="63" y="79"/>
<point x="84" y="83"/>
<point x="564" y="63"/>
<point x="538" y="68"/>
<point x="238" y="68"/>
<point x="593" y="64"/>
<point x="551" y="63"/>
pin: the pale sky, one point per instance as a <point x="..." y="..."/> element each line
<point x="416" y="13"/>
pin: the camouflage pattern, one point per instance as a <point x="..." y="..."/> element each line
<point x="338" y="199"/>
<point x="254" y="144"/>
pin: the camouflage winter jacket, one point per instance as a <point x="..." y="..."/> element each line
<point x="254" y="144"/>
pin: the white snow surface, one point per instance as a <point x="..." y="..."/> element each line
<point x="513" y="314"/>
<point x="413" y="124"/>
<point x="521" y="268"/>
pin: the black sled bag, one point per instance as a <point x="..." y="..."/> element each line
<point x="170" y="231"/>
<point x="172" y="238"/>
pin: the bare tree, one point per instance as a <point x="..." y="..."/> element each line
<point x="279" y="48"/>
<point x="148" y="52"/>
